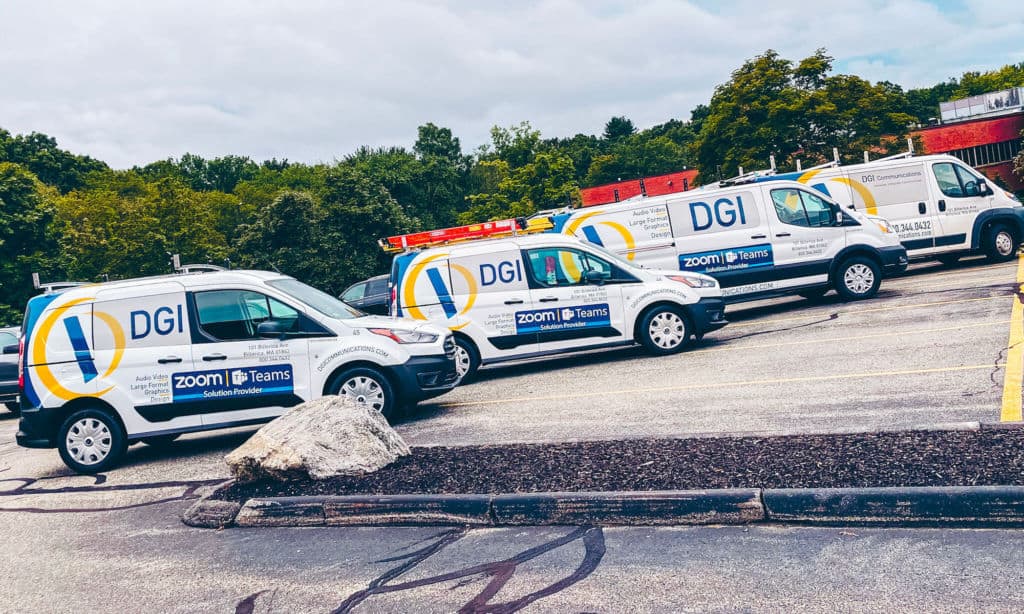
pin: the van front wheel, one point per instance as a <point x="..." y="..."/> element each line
<point x="857" y="279"/>
<point x="366" y="386"/>
<point x="91" y="440"/>
<point x="664" y="330"/>
<point x="1000" y="243"/>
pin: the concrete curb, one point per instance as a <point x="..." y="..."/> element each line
<point x="952" y="506"/>
<point x="208" y="513"/>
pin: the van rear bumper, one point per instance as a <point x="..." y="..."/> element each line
<point x="706" y="315"/>
<point x="894" y="259"/>
<point x="425" y="377"/>
<point x="37" y="428"/>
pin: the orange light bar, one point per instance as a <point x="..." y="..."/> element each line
<point x="448" y="235"/>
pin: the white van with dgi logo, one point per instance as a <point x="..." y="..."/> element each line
<point x="937" y="205"/>
<point x="756" y="239"/>
<point x="105" y="365"/>
<point x="535" y="292"/>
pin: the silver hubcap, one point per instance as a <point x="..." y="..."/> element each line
<point x="859" y="278"/>
<point x="89" y="441"/>
<point x="462" y="361"/>
<point x="1004" y="243"/>
<point x="667" y="330"/>
<point x="365" y="391"/>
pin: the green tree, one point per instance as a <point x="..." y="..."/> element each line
<point x="618" y="128"/>
<point x="25" y="244"/>
<point x="48" y="162"/>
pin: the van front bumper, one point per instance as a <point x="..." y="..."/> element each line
<point x="894" y="259"/>
<point x="706" y="315"/>
<point x="425" y="377"/>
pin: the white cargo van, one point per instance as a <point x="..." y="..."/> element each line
<point x="939" y="206"/>
<point x="756" y="239"/>
<point x="526" y="296"/>
<point x="105" y="365"/>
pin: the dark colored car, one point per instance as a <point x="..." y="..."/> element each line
<point x="9" y="367"/>
<point x="369" y="295"/>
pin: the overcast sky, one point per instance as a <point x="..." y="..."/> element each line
<point x="131" y="82"/>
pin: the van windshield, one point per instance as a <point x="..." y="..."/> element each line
<point x="321" y="301"/>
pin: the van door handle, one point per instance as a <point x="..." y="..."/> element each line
<point x="514" y="301"/>
<point x="782" y="234"/>
<point x="920" y="208"/>
<point x="548" y="299"/>
<point x="212" y="357"/>
<point x="942" y="205"/>
<point x="758" y="236"/>
<point x="168" y="360"/>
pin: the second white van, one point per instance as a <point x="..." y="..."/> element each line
<point x="757" y="239"/>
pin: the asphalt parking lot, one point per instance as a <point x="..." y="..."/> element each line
<point x="928" y="350"/>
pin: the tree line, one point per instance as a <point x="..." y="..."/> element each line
<point x="69" y="216"/>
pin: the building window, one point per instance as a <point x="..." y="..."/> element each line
<point x="992" y="153"/>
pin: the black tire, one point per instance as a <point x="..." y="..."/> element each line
<point x="664" y="330"/>
<point x="949" y="259"/>
<point x="95" y="429"/>
<point x="470" y="360"/>
<point x="14" y="407"/>
<point x="160" y="441"/>
<point x="363" y="383"/>
<point x="1000" y="243"/>
<point x="857" y="278"/>
<point x="813" y="294"/>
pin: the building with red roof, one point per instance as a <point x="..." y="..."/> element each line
<point x="649" y="186"/>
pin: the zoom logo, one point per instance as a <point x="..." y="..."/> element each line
<point x="545" y="320"/>
<point x="732" y="259"/>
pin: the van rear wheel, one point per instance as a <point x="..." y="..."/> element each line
<point x="664" y="330"/>
<point x="467" y="359"/>
<point x="857" y="278"/>
<point x="366" y="386"/>
<point x="1001" y="243"/>
<point x="91" y="440"/>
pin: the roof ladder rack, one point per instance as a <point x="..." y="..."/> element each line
<point x="54" y="286"/>
<point x="470" y="232"/>
<point x="185" y="269"/>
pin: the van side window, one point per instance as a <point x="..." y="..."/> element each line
<point x="233" y="315"/>
<point x="800" y="208"/>
<point x="968" y="181"/>
<point x="556" y="267"/>
<point x="948" y="181"/>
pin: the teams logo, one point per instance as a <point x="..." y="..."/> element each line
<point x="71" y="325"/>
<point x="437" y="284"/>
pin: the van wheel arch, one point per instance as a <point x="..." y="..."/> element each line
<point x="358" y="364"/>
<point x="61" y="414"/>
<point x="855" y="252"/>
<point x="662" y="303"/>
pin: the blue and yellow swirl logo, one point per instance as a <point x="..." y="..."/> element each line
<point x="439" y="287"/>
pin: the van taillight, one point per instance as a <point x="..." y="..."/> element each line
<point x="21" y="365"/>
<point x="394" y="301"/>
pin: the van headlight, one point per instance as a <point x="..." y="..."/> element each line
<point x="695" y="281"/>
<point x="404" y="336"/>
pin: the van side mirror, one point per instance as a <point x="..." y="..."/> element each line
<point x="983" y="188"/>
<point x="11" y="349"/>
<point x="594" y="277"/>
<point x="273" y="329"/>
<point x="839" y="218"/>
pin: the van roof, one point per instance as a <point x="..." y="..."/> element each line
<point x="187" y="280"/>
<point x="485" y="246"/>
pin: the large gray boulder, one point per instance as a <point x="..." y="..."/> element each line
<point x="324" y="438"/>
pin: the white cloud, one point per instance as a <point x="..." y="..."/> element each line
<point x="132" y="82"/>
